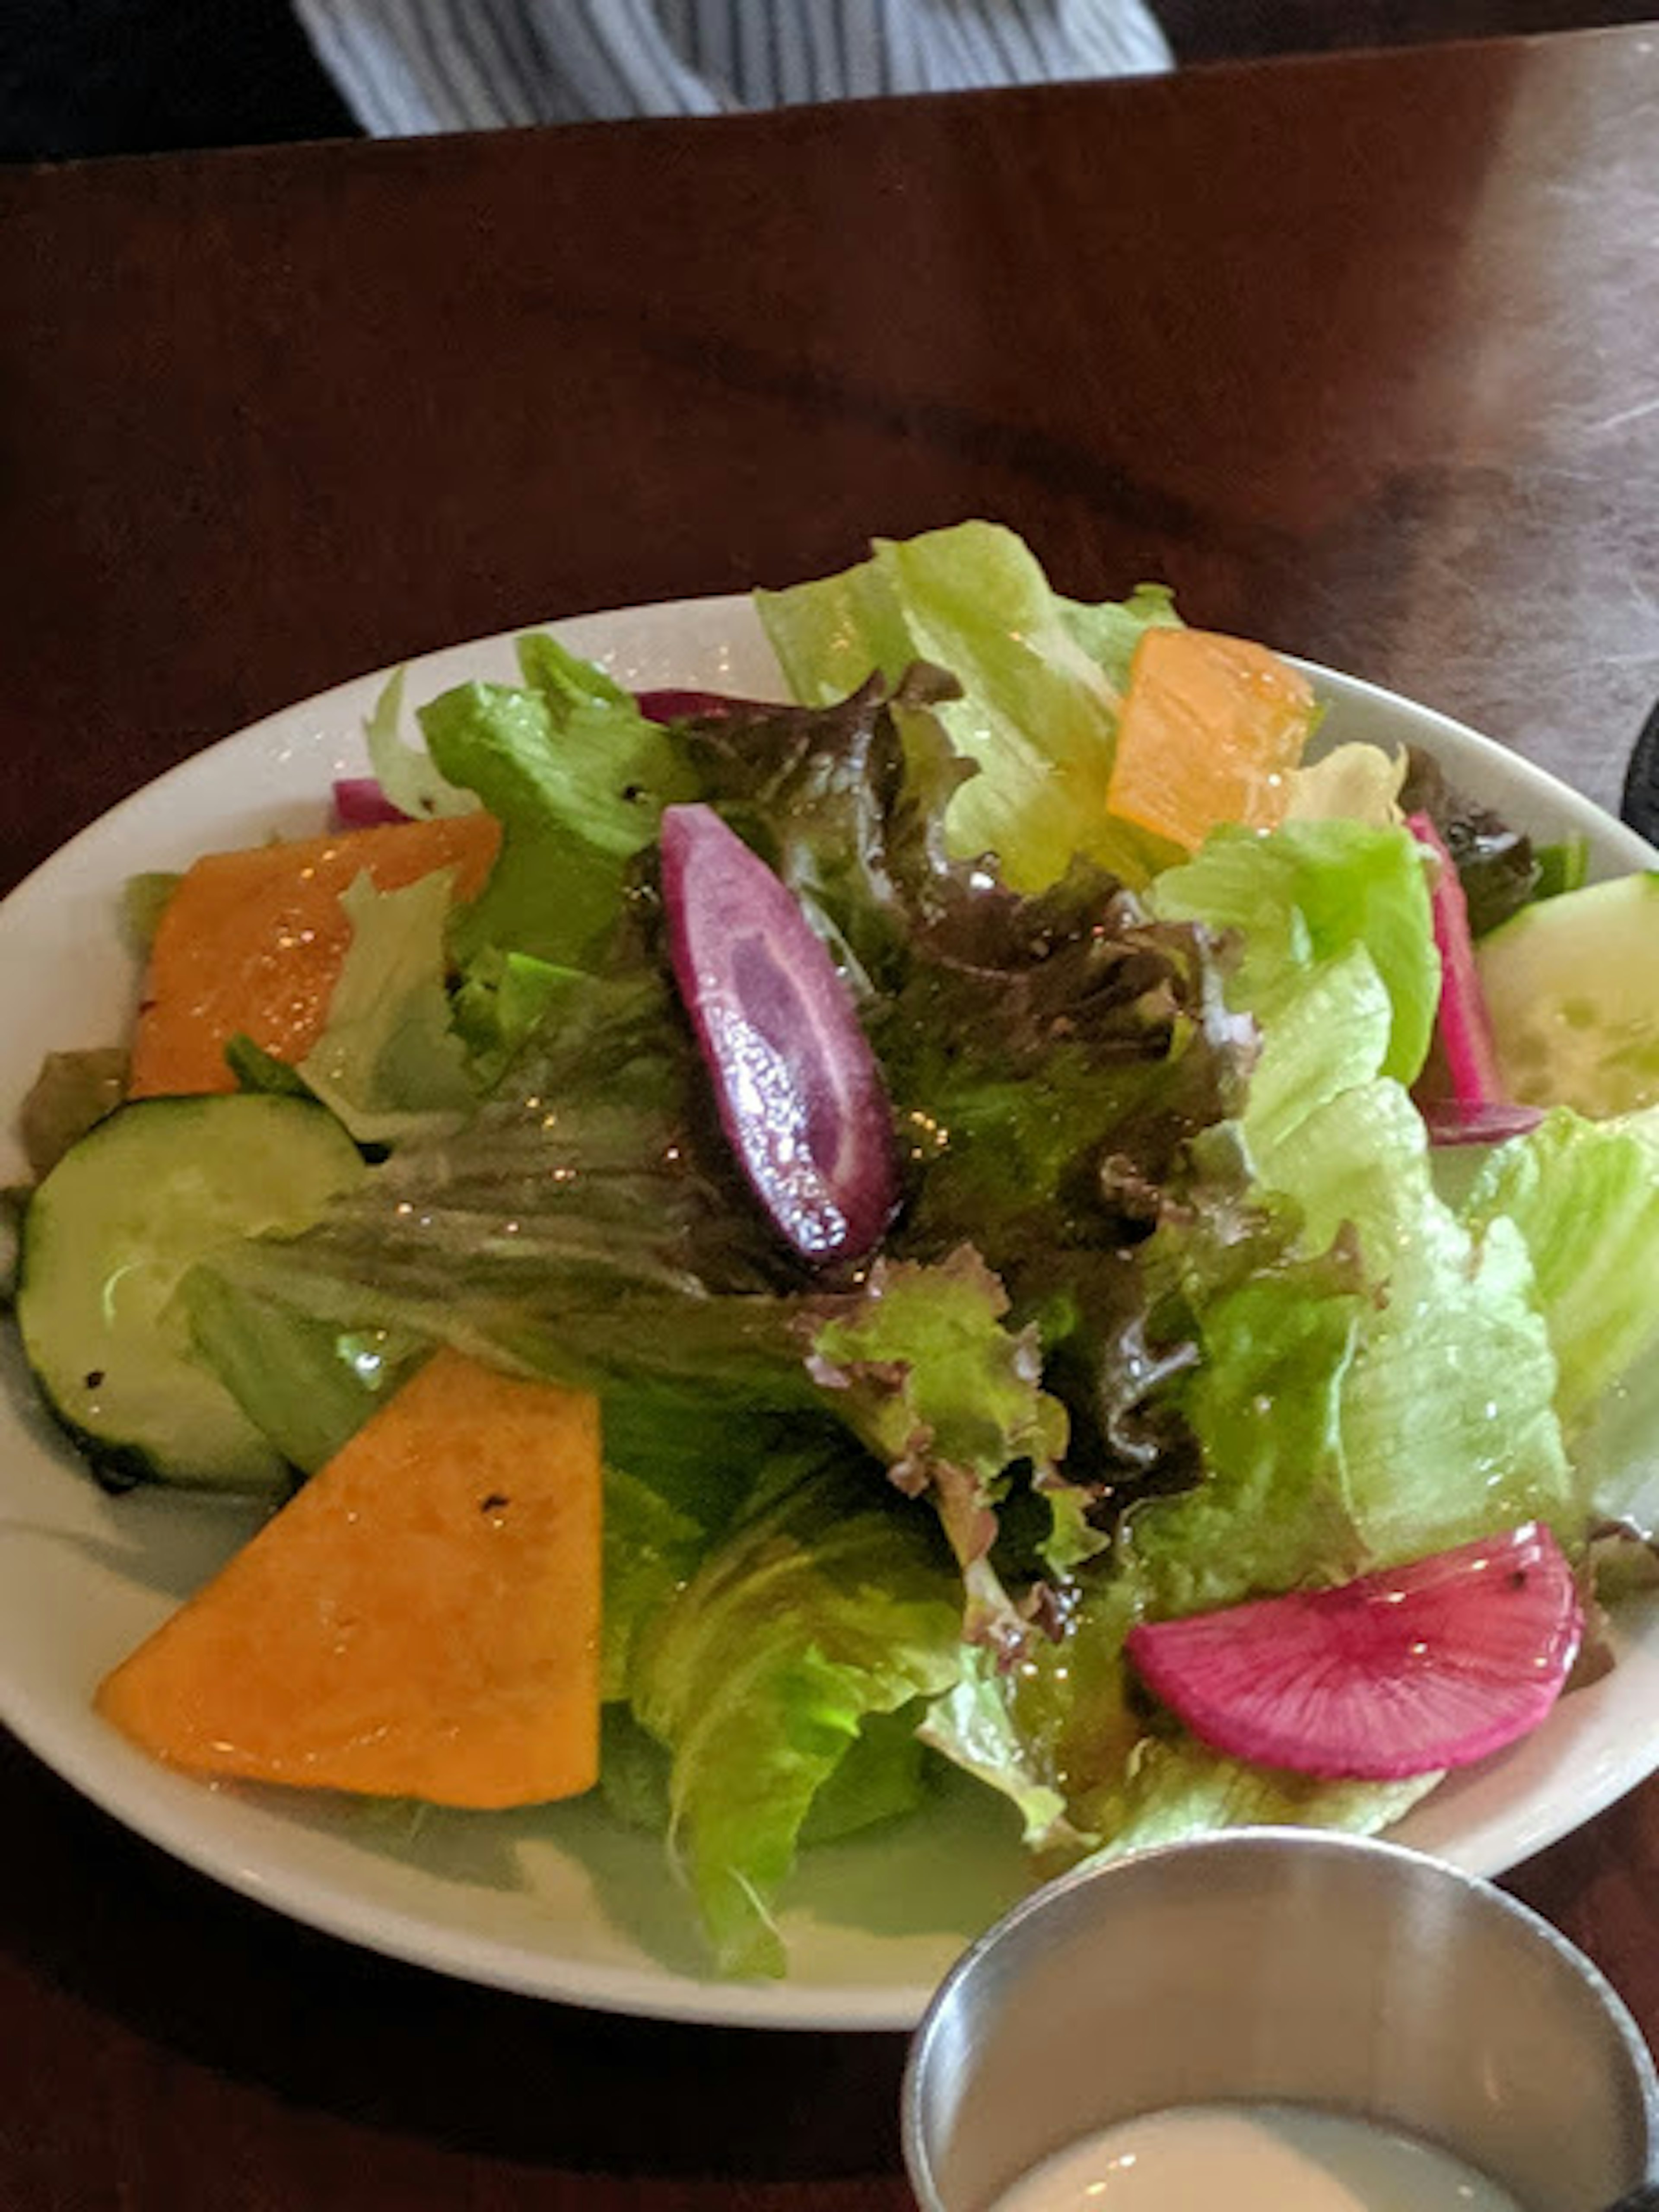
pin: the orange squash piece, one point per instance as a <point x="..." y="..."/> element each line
<point x="422" y="1621"/>
<point x="252" y="943"/>
<point x="1210" y="730"/>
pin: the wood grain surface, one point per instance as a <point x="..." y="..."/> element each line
<point x="1357" y="352"/>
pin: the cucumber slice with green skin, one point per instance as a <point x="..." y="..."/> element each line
<point x="1573" y="986"/>
<point x="107" y="1239"/>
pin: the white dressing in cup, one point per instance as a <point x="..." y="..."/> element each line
<point x="1253" y="2158"/>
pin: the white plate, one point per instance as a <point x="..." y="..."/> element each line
<point x="560" y="1903"/>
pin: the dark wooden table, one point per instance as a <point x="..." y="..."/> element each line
<point x="1359" y="354"/>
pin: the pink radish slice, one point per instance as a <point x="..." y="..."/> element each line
<point x="361" y="805"/>
<point x="1465" y="1024"/>
<point x="1450" y="1123"/>
<point x="800" y="1093"/>
<point x="1403" y="1672"/>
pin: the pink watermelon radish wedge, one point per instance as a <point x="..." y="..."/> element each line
<point x="1464" y="1024"/>
<point x="800" y="1093"/>
<point x="1403" y="1672"/>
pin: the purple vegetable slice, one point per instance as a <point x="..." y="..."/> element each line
<point x="360" y="804"/>
<point x="1403" y="1672"/>
<point x="800" y="1096"/>
<point x="679" y="706"/>
<point x="1450" y="1123"/>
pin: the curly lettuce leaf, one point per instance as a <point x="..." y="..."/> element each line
<point x="922" y="1370"/>
<point x="578" y="778"/>
<point x="846" y="806"/>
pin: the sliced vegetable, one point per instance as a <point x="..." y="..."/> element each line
<point x="107" y="1240"/>
<point x="679" y="706"/>
<point x="423" y="1620"/>
<point x="1450" y="1123"/>
<point x="800" y="1096"/>
<point x="1211" y="732"/>
<point x="252" y="943"/>
<point x="360" y="803"/>
<point x="1573" y="983"/>
<point x="1464" y="1024"/>
<point x="1405" y="1672"/>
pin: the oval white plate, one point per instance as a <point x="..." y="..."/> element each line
<point x="560" y="1903"/>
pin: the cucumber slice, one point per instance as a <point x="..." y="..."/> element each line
<point x="1573" y="986"/>
<point x="107" y="1239"/>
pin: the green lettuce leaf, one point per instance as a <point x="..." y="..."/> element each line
<point x="1584" y="1195"/>
<point x="586" y="1224"/>
<point x="578" y="778"/>
<point x="1176" y="1789"/>
<point x="406" y="773"/>
<point x="388" y="1062"/>
<point x="1266" y="1405"/>
<point x="837" y="1601"/>
<point x="651" y="1549"/>
<point x="1424" y="1381"/>
<point x="1306" y="894"/>
<point x="922" y="1370"/>
<point x="1038" y="712"/>
<point x="307" y="1384"/>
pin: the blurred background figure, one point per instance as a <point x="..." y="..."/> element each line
<point x="404" y="66"/>
<point x="109" y="76"/>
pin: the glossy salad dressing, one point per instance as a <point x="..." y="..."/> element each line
<point x="1253" y="2158"/>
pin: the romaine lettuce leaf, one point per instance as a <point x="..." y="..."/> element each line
<point x="1306" y="894"/>
<point x="1038" y="712"/>
<point x="406" y="773"/>
<point x="1585" y="1197"/>
<point x="837" y="1601"/>
<point x="1266" y="1406"/>
<point x="1442" y="1370"/>
<point x="651" y="1551"/>
<point x="1175" y="1787"/>
<point x="388" y="1062"/>
<point x="307" y="1384"/>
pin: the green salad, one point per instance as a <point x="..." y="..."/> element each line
<point x="1270" y="1216"/>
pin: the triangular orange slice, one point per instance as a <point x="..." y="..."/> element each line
<point x="422" y="1621"/>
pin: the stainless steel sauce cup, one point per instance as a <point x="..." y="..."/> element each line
<point x="1291" y="1966"/>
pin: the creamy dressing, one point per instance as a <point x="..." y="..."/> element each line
<point x="1253" y="2158"/>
